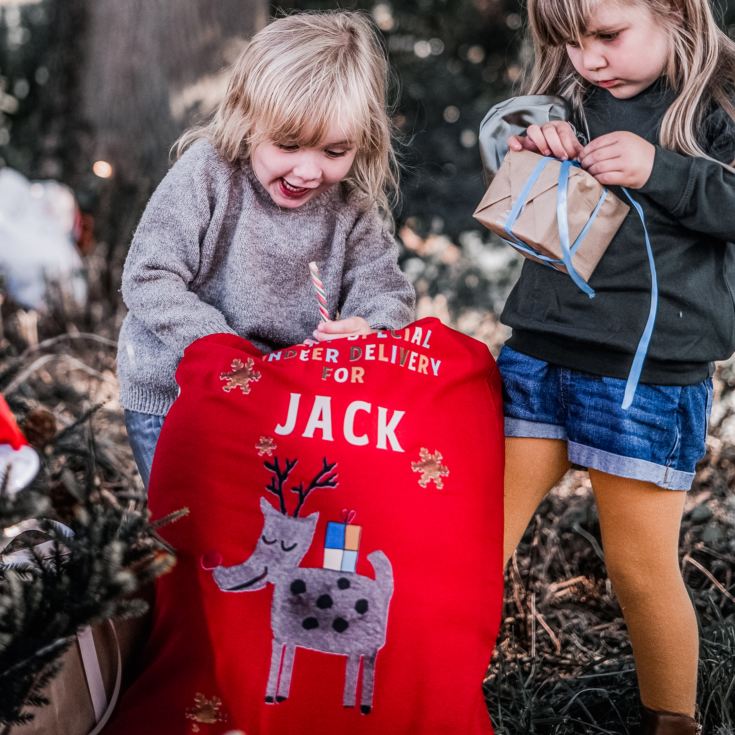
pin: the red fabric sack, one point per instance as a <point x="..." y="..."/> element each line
<point x="340" y="567"/>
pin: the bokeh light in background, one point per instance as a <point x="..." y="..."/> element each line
<point x="102" y="169"/>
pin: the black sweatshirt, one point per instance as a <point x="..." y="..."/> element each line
<point x="689" y="205"/>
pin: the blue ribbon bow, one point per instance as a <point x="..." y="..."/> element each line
<point x="569" y="249"/>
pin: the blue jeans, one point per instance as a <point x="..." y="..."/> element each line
<point x="143" y="431"/>
<point x="659" y="439"/>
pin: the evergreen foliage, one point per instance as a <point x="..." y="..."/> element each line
<point x="101" y="547"/>
<point x="107" y="554"/>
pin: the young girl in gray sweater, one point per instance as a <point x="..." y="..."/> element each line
<point x="295" y="166"/>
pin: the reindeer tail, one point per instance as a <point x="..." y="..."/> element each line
<point x="383" y="571"/>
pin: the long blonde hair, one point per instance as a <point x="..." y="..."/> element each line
<point x="701" y="70"/>
<point x="296" y="77"/>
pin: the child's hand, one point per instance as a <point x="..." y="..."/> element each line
<point x="619" y="159"/>
<point x="341" y="328"/>
<point x="555" y="138"/>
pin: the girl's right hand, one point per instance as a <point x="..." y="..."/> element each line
<point x="349" y="327"/>
<point x="555" y="138"/>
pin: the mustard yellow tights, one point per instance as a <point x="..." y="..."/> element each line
<point x="640" y="525"/>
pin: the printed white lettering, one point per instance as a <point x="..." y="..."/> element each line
<point x="386" y="429"/>
<point x="293" y="407"/>
<point x="349" y="424"/>
<point x="320" y="418"/>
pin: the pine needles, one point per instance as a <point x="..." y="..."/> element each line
<point x="91" y="567"/>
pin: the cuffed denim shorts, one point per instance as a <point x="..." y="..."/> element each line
<point x="143" y="431"/>
<point x="659" y="439"/>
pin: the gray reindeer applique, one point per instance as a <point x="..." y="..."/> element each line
<point x="325" y="610"/>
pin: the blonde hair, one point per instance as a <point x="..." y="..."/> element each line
<point x="298" y="76"/>
<point x="701" y="70"/>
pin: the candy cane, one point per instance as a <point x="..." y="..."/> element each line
<point x="321" y="295"/>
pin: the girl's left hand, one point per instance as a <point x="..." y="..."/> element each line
<point x="619" y="159"/>
<point x="341" y="328"/>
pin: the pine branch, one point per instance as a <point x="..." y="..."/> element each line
<point x="88" y="577"/>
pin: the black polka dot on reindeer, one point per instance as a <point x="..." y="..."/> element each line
<point x="361" y="606"/>
<point x="340" y="625"/>
<point x="310" y="623"/>
<point x="298" y="586"/>
<point x="324" y="602"/>
<point x="343" y="583"/>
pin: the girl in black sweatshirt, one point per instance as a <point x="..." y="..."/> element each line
<point x="650" y="87"/>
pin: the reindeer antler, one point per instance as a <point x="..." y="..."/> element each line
<point x="281" y="475"/>
<point x="326" y="477"/>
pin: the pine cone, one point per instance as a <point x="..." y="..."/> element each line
<point x="39" y="426"/>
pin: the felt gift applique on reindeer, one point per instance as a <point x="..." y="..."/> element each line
<point x="331" y="610"/>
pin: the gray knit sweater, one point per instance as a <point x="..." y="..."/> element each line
<point x="213" y="253"/>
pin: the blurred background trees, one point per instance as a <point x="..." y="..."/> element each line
<point x="94" y="92"/>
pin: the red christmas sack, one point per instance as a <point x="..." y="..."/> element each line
<point x="339" y="570"/>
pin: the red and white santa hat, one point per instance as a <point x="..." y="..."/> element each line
<point x="19" y="462"/>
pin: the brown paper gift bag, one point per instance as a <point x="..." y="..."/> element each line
<point x="537" y="225"/>
<point x="94" y="668"/>
<point x="72" y="709"/>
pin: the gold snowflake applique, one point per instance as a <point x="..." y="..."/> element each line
<point x="205" y="711"/>
<point x="431" y="468"/>
<point x="266" y="445"/>
<point x="240" y="376"/>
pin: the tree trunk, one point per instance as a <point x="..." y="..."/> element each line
<point x="154" y="66"/>
<point x="151" y="69"/>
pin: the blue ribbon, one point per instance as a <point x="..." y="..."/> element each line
<point x="645" y="340"/>
<point x="563" y="223"/>
<point x="568" y="251"/>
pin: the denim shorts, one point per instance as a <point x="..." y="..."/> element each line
<point x="659" y="439"/>
<point x="143" y="431"/>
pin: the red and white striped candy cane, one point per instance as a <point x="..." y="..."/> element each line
<point x="321" y="295"/>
